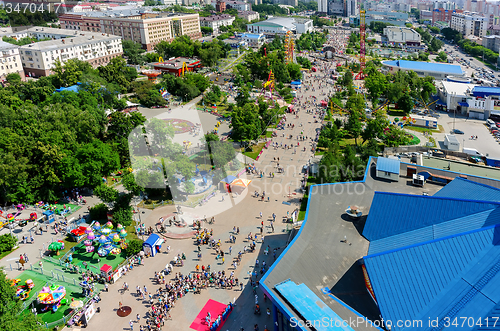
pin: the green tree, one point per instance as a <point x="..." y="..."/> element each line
<point x="245" y="123"/>
<point x="405" y="103"/>
<point x="133" y="51"/>
<point x="13" y="78"/>
<point x="354" y="125"/>
<point x="71" y="72"/>
<point x="106" y="193"/>
<point x="7" y="242"/>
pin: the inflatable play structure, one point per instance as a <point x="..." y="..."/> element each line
<point x="56" y="210"/>
<point x="52" y="297"/>
<point x="23" y="291"/>
<point x="232" y="184"/>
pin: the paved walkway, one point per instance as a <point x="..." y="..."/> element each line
<point x="284" y="193"/>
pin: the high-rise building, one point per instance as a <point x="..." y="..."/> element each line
<point x="323" y="6"/>
<point x="469" y="24"/>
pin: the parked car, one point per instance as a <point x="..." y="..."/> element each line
<point x="457" y="131"/>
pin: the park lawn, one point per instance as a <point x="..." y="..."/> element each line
<point x="441" y="129"/>
<point x="347" y="142"/>
<point x="415" y="140"/>
<point x="255" y="150"/>
<point x="68" y="244"/>
<point x="4" y="254"/>
<point x="60" y="206"/>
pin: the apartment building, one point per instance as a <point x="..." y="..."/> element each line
<point x="492" y="42"/>
<point x="146" y="28"/>
<point x="216" y="21"/>
<point x="443" y="15"/>
<point x="38" y="59"/>
<point x="469" y="24"/>
<point x="10" y="60"/>
<point x="249" y="15"/>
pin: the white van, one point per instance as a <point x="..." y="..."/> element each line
<point x="490" y="122"/>
<point x="472" y="152"/>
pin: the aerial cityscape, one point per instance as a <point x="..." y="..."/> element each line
<point x="267" y="165"/>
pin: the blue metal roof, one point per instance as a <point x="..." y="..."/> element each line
<point x="393" y="213"/>
<point x="463" y="104"/>
<point x="461" y="188"/>
<point x="426" y="66"/>
<point x="228" y="179"/>
<point x="152" y="239"/>
<point x="251" y="35"/>
<point x="388" y="165"/>
<point x="459" y="225"/>
<point x="311" y="307"/>
<point x="484" y="91"/>
<point x="447" y="278"/>
<point x="73" y="88"/>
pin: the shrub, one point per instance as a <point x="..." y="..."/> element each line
<point x="7" y="242"/>
<point x="134" y="247"/>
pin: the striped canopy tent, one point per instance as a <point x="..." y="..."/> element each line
<point x="240" y="184"/>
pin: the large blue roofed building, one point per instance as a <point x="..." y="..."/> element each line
<point x="422" y="69"/>
<point x="429" y="261"/>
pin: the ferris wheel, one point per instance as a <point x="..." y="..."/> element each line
<point x="289" y="48"/>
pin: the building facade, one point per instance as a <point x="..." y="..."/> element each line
<point x="442" y="15"/>
<point x="249" y="15"/>
<point x="147" y="29"/>
<point x="10" y="60"/>
<point x="492" y="42"/>
<point x="402" y="35"/>
<point x="469" y="24"/>
<point x="38" y="59"/>
<point x="238" y="5"/>
<point x="216" y="21"/>
<point x="280" y="26"/>
<point x="220" y="6"/>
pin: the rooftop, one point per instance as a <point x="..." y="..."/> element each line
<point x="388" y="165"/>
<point x="318" y="258"/>
<point x="457" y="88"/>
<point x="485" y="90"/>
<point x="425" y="66"/>
<point x="222" y="17"/>
<point x="70" y="41"/>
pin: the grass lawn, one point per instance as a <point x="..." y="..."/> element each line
<point x="40" y="281"/>
<point x="68" y="244"/>
<point x="415" y="140"/>
<point x="60" y="206"/>
<point x="441" y="129"/>
<point x="395" y="112"/>
<point x="255" y="150"/>
<point x="303" y="205"/>
<point x="4" y="254"/>
<point x="347" y="142"/>
<point x="421" y="129"/>
<point x="80" y="255"/>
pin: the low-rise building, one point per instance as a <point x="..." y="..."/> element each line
<point x="177" y="66"/>
<point x="281" y="25"/>
<point x="253" y="40"/>
<point x="249" y="15"/>
<point x="10" y="60"/>
<point x="470" y="100"/>
<point x="423" y="69"/>
<point x="38" y="59"/>
<point x="402" y="35"/>
<point x="216" y="21"/>
<point x="426" y="15"/>
<point x="238" y="5"/>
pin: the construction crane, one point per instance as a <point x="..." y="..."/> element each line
<point x="362" y="49"/>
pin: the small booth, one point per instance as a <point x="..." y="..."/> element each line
<point x="226" y="183"/>
<point x="49" y="216"/>
<point x="107" y="272"/>
<point x="152" y="245"/>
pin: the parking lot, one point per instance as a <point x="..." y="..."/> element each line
<point x="485" y="142"/>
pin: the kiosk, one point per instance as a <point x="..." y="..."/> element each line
<point x="152" y="245"/>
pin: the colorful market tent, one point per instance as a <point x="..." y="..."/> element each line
<point x="239" y="185"/>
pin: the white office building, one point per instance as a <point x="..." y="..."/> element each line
<point x="281" y="25"/>
<point x="38" y="59"/>
<point x="216" y="21"/>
